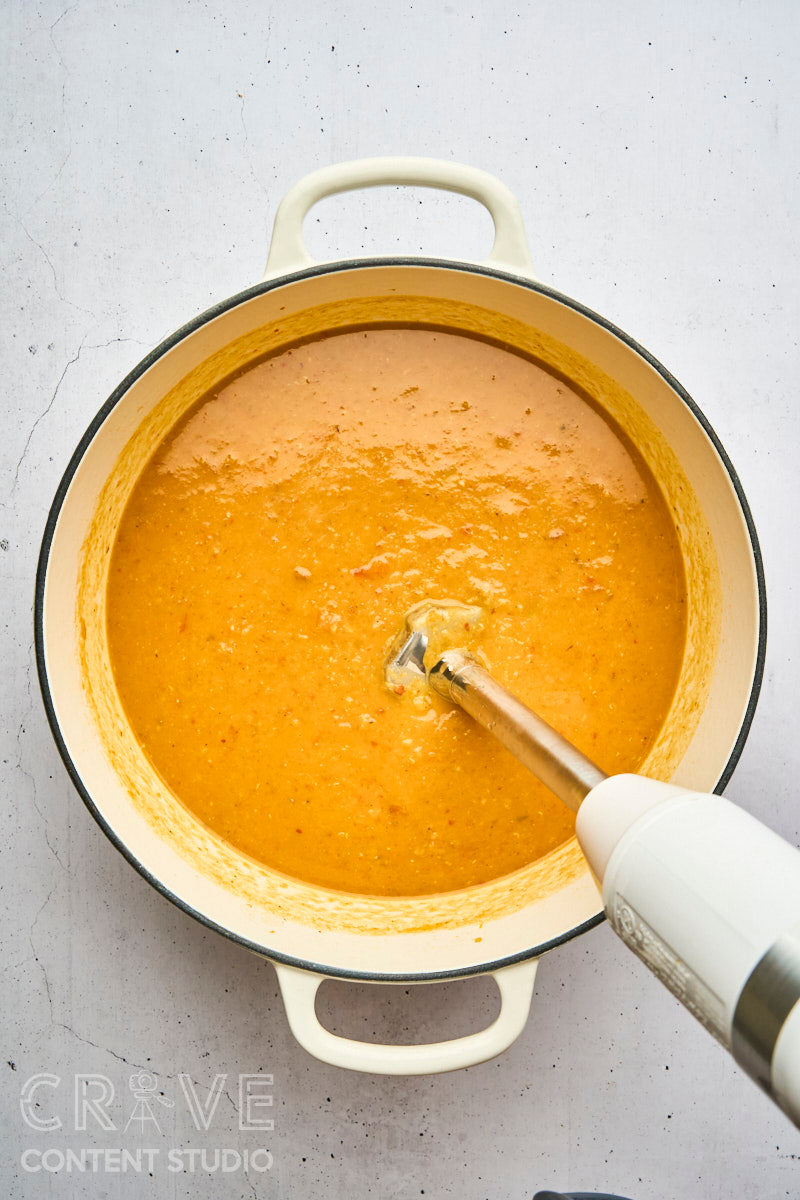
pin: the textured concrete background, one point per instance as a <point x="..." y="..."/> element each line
<point x="654" y="151"/>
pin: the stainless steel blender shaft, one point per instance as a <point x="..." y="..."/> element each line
<point x="549" y="756"/>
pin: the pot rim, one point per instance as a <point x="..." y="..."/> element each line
<point x="169" y="344"/>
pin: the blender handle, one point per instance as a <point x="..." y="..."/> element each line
<point x="288" y="252"/>
<point x="709" y="899"/>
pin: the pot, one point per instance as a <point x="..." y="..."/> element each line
<point x="502" y="927"/>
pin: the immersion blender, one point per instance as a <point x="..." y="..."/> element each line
<point x="703" y="893"/>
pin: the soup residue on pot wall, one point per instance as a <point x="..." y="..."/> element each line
<point x="213" y="855"/>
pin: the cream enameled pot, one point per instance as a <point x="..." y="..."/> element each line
<point x="502" y="927"/>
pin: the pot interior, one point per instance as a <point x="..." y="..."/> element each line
<point x="460" y="932"/>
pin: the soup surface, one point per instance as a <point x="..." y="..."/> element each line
<point x="272" y="546"/>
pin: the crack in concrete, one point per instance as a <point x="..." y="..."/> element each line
<point x="41" y="196"/>
<point x="64" y="113"/>
<point x="58" y="21"/>
<point x="256" y="177"/>
<point x="56" y="1024"/>
<point x="9" y="967"/>
<point x="83" y="346"/>
<point x="26" y="716"/>
<point x="56" y="287"/>
<point x="41" y="250"/>
<point x="41" y="417"/>
<point x="36" y="958"/>
<point x="107" y="1050"/>
<point x="41" y="815"/>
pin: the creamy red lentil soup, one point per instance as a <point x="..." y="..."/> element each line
<point x="275" y="540"/>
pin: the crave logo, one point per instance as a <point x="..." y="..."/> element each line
<point x="142" y="1115"/>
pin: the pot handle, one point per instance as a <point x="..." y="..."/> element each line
<point x="287" y="251"/>
<point x="299" y="990"/>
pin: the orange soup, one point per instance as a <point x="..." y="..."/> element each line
<point x="272" y="546"/>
